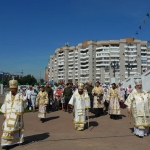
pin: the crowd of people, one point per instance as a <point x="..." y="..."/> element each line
<point x="60" y="95"/>
<point x="78" y="99"/>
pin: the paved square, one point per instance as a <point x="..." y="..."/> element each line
<point x="58" y="133"/>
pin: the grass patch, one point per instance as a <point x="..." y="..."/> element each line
<point x="25" y="111"/>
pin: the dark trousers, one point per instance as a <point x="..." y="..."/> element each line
<point x="66" y="102"/>
<point x="91" y="102"/>
<point x="29" y="103"/>
<point x="48" y="106"/>
<point x="98" y="112"/>
<point x="106" y="105"/>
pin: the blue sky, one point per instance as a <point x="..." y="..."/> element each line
<point x="31" y="30"/>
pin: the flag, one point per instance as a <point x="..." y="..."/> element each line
<point x="144" y="21"/>
<point x="140" y="27"/>
<point x="136" y="33"/>
<point x="147" y="15"/>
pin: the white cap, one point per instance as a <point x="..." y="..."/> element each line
<point x="138" y="81"/>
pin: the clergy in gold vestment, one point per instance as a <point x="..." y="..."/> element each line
<point x="13" y="109"/>
<point x="80" y="101"/>
<point x="41" y="102"/>
<point x="138" y="103"/>
<point x="113" y="99"/>
<point x="98" y="103"/>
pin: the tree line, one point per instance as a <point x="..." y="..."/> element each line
<point x="25" y="80"/>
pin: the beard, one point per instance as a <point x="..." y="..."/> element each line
<point x="80" y="92"/>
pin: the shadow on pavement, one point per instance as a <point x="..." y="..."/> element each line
<point x="30" y="139"/>
<point x="123" y="115"/>
<point x="51" y="118"/>
<point x="91" y="124"/>
<point x="35" y="138"/>
<point x="132" y="130"/>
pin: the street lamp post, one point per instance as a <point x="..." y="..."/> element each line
<point x="115" y="66"/>
<point x="129" y="66"/>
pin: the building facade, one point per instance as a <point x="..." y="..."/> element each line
<point x="92" y="60"/>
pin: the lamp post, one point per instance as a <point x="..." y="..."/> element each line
<point x="115" y="66"/>
<point x="129" y="68"/>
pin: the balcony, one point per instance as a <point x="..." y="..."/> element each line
<point x="70" y="56"/>
<point x="70" y="53"/>
<point x="103" y="64"/>
<point x="60" y="68"/>
<point x="143" y="47"/>
<point x="84" y="55"/>
<point x="70" y="67"/>
<point x="84" y="50"/>
<point x="84" y="78"/>
<point x="98" y="72"/>
<point x="62" y="57"/>
<point x="62" y="71"/>
<point x="70" y="70"/>
<point x="60" y="64"/>
<point x="102" y="55"/>
<point x="61" y="78"/>
<point x="85" y="65"/>
<point x="84" y="61"/>
<point x="98" y="68"/>
<point x="70" y="63"/>
<point x="129" y="51"/>
<point x="133" y="46"/>
<point x="114" y="47"/>
<point x="83" y="70"/>
<point x="144" y="56"/>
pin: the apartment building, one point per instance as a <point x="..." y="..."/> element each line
<point x="93" y="60"/>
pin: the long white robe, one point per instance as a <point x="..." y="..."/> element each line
<point x="113" y="99"/>
<point x="98" y="92"/>
<point x="13" y="126"/>
<point x="42" y="101"/>
<point x="80" y="103"/>
<point x="139" y="104"/>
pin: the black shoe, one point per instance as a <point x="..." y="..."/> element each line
<point x="5" y="147"/>
<point x="42" y="120"/>
<point x="70" y="111"/>
<point x="141" y="137"/>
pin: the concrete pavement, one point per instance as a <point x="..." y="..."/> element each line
<point x="58" y="133"/>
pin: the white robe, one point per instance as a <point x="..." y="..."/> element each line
<point x="80" y="103"/>
<point x="13" y="125"/>
<point x="139" y="104"/>
<point x="113" y="99"/>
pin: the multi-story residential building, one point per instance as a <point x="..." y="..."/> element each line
<point x="91" y="60"/>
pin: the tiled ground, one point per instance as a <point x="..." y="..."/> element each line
<point x="58" y="133"/>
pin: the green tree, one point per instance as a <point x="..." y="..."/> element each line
<point x="27" y="79"/>
<point x="41" y="80"/>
